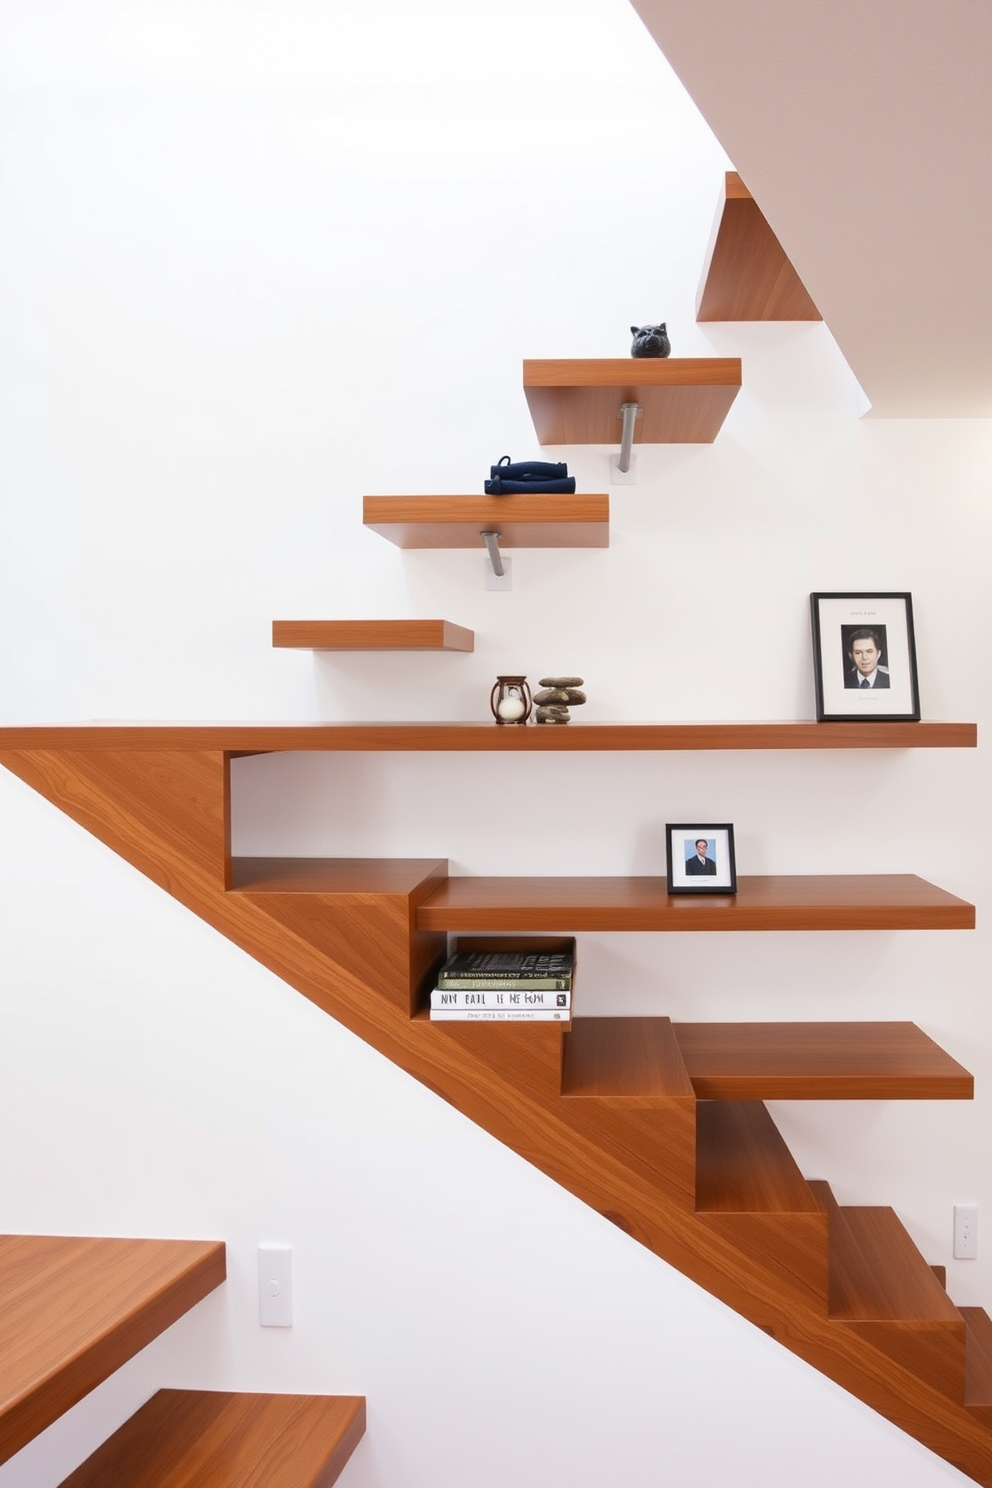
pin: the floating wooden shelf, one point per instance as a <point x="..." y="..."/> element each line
<point x="818" y="1061"/>
<point x="580" y="521"/>
<point x="74" y="1310"/>
<point x="181" y="1438"/>
<point x="896" y="901"/>
<point x="470" y="737"/>
<point x="371" y="635"/>
<point x="684" y="400"/>
<point x="747" y="275"/>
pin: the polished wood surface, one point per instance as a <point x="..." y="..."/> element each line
<point x="208" y="1439"/>
<point x="742" y="1164"/>
<point x="623" y="1057"/>
<point x="978" y="1361"/>
<point x="819" y="1061"/>
<point x="750" y="1191"/>
<point x="883" y="1288"/>
<point x="632" y="1158"/>
<point x="357" y="912"/>
<point x="747" y="273"/>
<point x="539" y="521"/>
<point x="684" y="399"/>
<point x="349" y="876"/>
<point x="371" y="635"/>
<point x="483" y="735"/>
<point x="74" y="1310"/>
<point x="895" y="901"/>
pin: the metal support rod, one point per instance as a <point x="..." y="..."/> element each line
<point x="491" y="540"/>
<point x="629" y="413"/>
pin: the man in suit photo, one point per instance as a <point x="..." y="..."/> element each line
<point x="701" y="862"/>
<point x="865" y="653"/>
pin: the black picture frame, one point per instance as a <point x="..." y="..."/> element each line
<point x="681" y="840"/>
<point x="850" y="632"/>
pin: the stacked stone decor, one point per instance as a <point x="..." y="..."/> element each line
<point x="556" y="696"/>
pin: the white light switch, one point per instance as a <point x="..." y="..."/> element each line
<point x="275" y="1286"/>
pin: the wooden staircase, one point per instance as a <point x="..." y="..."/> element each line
<point x="659" y="1126"/>
<point x="76" y="1309"/>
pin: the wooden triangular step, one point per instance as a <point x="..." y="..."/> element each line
<point x="883" y="1289"/>
<point x="630" y="1072"/>
<point x="206" y="1439"/>
<point x="750" y="1190"/>
<point x="819" y="1061"/>
<point x="978" y="1362"/>
<point x="75" y="1310"/>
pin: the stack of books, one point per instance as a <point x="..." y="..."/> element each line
<point x="504" y="987"/>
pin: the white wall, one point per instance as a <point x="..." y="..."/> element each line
<point x="259" y="260"/>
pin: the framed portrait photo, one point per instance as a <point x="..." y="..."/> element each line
<point x="701" y="858"/>
<point x="864" y="658"/>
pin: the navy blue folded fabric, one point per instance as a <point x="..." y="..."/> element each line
<point x="511" y="478"/>
<point x="525" y="470"/>
<point x="501" y="487"/>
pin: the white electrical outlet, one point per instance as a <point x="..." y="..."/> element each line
<point x="275" y="1286"/>
<point x="965" y="1232"/>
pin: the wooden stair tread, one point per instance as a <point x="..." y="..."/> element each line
<point x="819" y="1061"/>
<point x="75" y="1310"/>
<point x="978" y="1357"/>
<point x="207" y="1439"/>
<point x="628" y="1057"/>
<point x="853" y="901"/>
<point x="483" y="735"/>
<point x="743" y="1165"/>
<point x="684" y="400"/>
<point x="747" y="274"/>
<point x="371" y="635"/>
<point x="876" y="1272"/>
<point x="538" y="521"/>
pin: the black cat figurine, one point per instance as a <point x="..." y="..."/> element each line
<point x="650" y="341"/>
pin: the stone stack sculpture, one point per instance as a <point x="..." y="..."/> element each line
<point x="556" y="696"/>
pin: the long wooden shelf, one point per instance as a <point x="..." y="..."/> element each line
<point x="684" y="399"/>
<point x="747" y="273"/>
<point x="474" y="736"/>
<point x="371" y="635"/>
<point x="74" y="1310"/>
<point x="893" y="901"/>
<point x="548" y="521"/>
<point x="182" y="1438"/>
<point x="818" y="1061"/>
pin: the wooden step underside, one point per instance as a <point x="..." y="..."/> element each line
<point x="206" y="1439"/>
<point x="75" y="1310"/>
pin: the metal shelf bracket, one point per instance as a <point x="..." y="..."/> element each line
<point x="491" y="540"/>
<point x="629" y="412"/>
